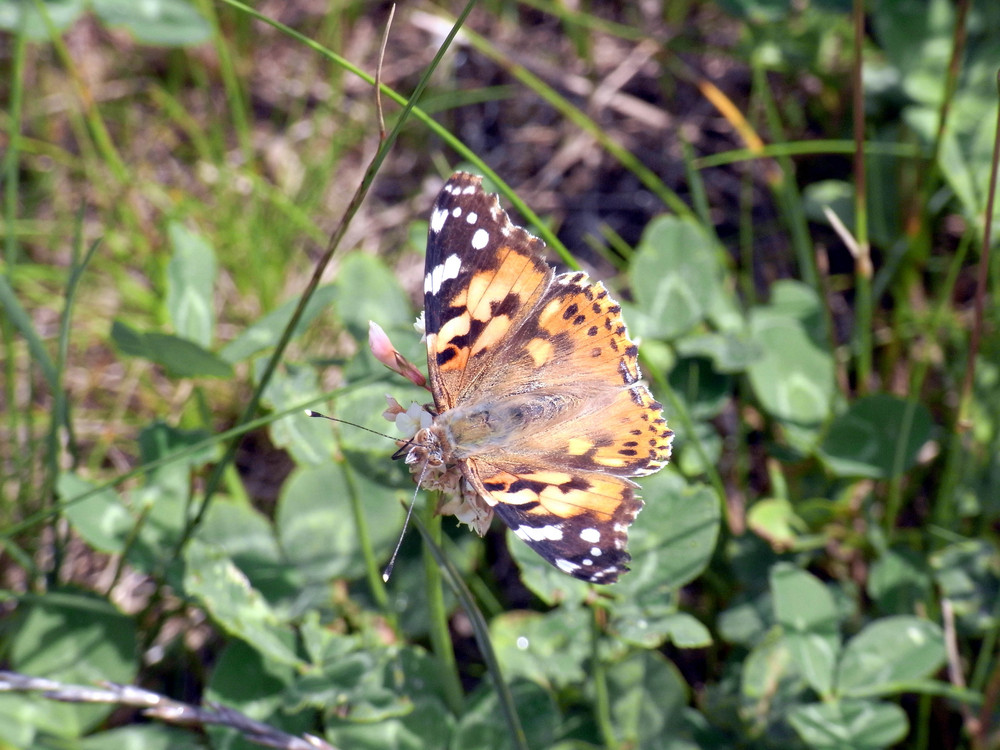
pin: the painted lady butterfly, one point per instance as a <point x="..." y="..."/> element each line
<point x="540" y="415"/>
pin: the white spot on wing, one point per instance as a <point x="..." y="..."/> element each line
<point x="595" y="551"/>
<point x="472" y="217"/>
<point x="590" y="535"/>
<point x="438" y="215"/>
<point x="441" y="273"/>
<point x="566" y="566"/>
<point x="480" y="239"/>
<point x="539" y="533"/>
<point x="456" y="211"/>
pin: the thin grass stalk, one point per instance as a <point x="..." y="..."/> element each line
<point x="785" y="191"/>
<point x="95" y="123"/>
<point x="863" y="302"/>
<point x="11" y="181"/>
<point x="955" y="455"/>
<point x="236" y="105"/>
<point x="982" y="282"/>
<point x="599" y="680"/>
<point x="437" y="613"/>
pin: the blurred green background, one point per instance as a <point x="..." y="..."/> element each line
<point x="789" y="199"/>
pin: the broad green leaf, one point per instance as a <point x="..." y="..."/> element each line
<point x="705" y="391"/>
<point x="180" y="357"/>
<point x="890" y="650"/>
<point x="164" y="22"/>
<point x="427" y="724"/>
<point x="674" y="274"/>
<point x="730" y="353"/>
<point x="545" y="648"/>
<point x="878" y="437"/>
<point x="652" y="626"/>
<point x="266" y="332"/>
<point x="368" y="291"/>
<point x="191" y="276"/>
<point x="793" y="378"/>
<point x="309" y="440"/>
<point x="316" y="527"/>
<point x="648" y="696"/>
<point x="101" y="519"/>
<point x="808" y="614"/>
<point x="899" y="581"/>
<point x="248" y="538"/>
<point x="673" y="537"/>
<point x="747" y="619"/>
<point x="770" y="683"/>
<point x="224" y="591"/>
<point x="849" y="724"/>
<point x="775" y="520"/>
<point x="28" y="17"/>
<point x="71" y="637"/>
<point x="483" y="725"/>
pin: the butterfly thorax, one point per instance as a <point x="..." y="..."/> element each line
<point x="479" y="428"/>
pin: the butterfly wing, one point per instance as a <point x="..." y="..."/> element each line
<point x="546" y="361"/>
<point x="483" y="277"/>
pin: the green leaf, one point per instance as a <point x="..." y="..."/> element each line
<point x="899" y="581"/>
<point x="241" y="678"/>
<point x="266" y="332"/>
<point x="648" y="696"/>
<point x="71" y="637"/>
<point x="967" y="573"/>
<point x="428" y="724"/>
<point x="729" y="352"/>
<point x="793" y="378"/>
<point x="315" y="522"/>
<point x="224" y="591"/>
<point x="310" y="441"/>
<point x="746" y="621"/>
<point x="191" y="276"/>
<point x="890" y="650"/>
<point x="545" y="648"/>
<point x="483" y="724"/>
<point x="705" y="391"/>
<point x="180" y="357"/>
<point x="144" y="737"/>
<point x="808" y="614"/>
<point x="249" y="540"/>
<point x="775" y="520"/>
<point x="368" y="291"/>
<point x="675" y="274"/>
<point x="101" y="519"/>
<point x="26" y="16"/>
<point x="672" y="540"/>
<point x="849" y="724"/>
<point x="165" y="22"/>
<point x="878" y="437"/>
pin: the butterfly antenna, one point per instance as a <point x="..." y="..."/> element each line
<point x="311" y="413"/>
<point x="406" y="522"/>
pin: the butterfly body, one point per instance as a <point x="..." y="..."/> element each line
<point x="536" y="388"/>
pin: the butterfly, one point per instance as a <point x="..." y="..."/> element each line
<point x="539" y="413"/>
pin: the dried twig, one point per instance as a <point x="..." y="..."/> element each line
<point x="160" y="707"/>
